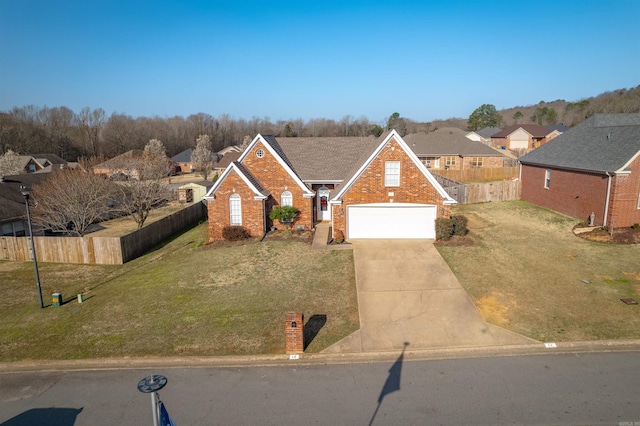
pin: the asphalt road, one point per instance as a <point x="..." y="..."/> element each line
<point x="572" y="389"/>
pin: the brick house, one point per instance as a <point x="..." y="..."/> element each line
<point x="523" y="136"/>
<point x="366" y="187"/>
<point x="449" y="148"/>
<point x="593" y="167"/>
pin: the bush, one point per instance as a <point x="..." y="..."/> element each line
<point x="283" y="213"/>
<point x="635" y="226"/>
<point x="339" y="236"/>
<point x="460" y="225"/>
<point x="235" y="233"/>
<point x="444" y="228"/>
<point x="448" y="227"/>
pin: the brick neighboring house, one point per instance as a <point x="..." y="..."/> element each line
<point x="366" y="187"/>
<point x="449" y="148"/>
<point x="523" y="136"/>
<point x="183" y="160"/>
<point x="592" y="167"/>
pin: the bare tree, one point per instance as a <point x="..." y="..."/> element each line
<point x="10" y="164"/>
<point x="156" y="147"/>
<point x="91" y="123"/>
<point x="70" y="201"/>
<point x="202" y="157"/>
<point x="141" y="188"/>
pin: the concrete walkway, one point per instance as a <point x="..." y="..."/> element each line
<point x="407" y="293"/>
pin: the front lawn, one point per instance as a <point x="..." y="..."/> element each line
<point x="180" y="299"/>
<point x="529" y="273"/>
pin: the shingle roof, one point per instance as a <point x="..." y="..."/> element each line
<point x="12" y="206"/>
<point x="327" y="159"/>
<point x="602" y="143"/>
<point x="487" y="132"/>
<point x="183" y="157"/>
<point x="448" y="141"/>
<point x="227" y="159"/>
<point x="533" y="129"/>
<point x="53" y="159"/>
<point x="251" y="178"/>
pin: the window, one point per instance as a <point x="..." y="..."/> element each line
<point x="547" y="178"/>
<point x="286" y="199"/>
<point x="449" y="161"/>
<point x="639" y="201"/>
<point x="392" y="173"/>
<point x="235" y="210"/>
<point x="432" y="162"/>
<point x="476" y="161"/>
<point x="260" y="153"/>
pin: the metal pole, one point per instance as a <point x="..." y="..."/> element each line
<point x="154" y="408"/>
<point x="33" y="246"/>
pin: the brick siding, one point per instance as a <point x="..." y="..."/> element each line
<point x="369" y="187"/>
<point x="577" y="194"/>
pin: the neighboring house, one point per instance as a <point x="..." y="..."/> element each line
<point x="366" y="187"/>
<point x="224" y="161"/>
<point x="183" y="160"/>
<point x="483" y="135"/>
<point x="593" y="167"/>
<point x="560" y="128"/>
<point x="228" y="149"/>
<point x="124" y="165"/>
<point x="193" y="191"/>
<point x="13" y="213"/>
<point x="448" y="148"/>
<point x="523" y="136"/>
<point x="29" y="164"/>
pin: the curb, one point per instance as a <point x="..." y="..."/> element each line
<point x="280" y="360"/>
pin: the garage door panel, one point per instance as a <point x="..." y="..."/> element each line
<point x="391" y="221"/>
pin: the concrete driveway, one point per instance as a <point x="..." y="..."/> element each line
<point x="407" y="293"/>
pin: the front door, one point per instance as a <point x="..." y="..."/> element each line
<point x="322" y="206"/>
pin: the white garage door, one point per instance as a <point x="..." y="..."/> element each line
<point x="394" y="220"/>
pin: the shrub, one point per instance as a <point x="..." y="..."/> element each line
<point x="444" y="228"/>
<point x="235" y="233"/>
<point x="283" y="213"/>
<point x="459" y="224"/>
<point x="635" y="226"/>
<point x="339" y="236"/>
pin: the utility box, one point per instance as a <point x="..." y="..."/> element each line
<point x="294" y="333"/>
<point x="56" y="299"/>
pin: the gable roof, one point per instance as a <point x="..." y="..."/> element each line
<point x="602" y="143"/>
<point x="259" y="191"/>
<point x="341" y="189"/>
<point x="327" y="159"/>
<point x="183" y="157"/>
<point x="533" y="129"/>
<point x="270" y="142"/>
<point x="117" y="161"/>
<point x="448" y="141"/>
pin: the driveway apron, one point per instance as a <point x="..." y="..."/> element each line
<point x="407" y="293"/>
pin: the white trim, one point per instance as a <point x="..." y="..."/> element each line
<point x="227" y="171"/>
<point x="259" y="138"/>
<point x="393" y="134"/>
<point x="626" y="165"/>
<point x="235" y="199"/>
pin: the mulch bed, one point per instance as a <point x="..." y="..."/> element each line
<point x="620" y="235"/>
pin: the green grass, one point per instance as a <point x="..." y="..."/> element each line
<point x="180" y="299"/>
<point x="525" y="269"/>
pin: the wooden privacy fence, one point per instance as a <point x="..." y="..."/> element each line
<point x="102" y="250"/>
<point x="479" y="174"/>
<point x="481" y="192"/>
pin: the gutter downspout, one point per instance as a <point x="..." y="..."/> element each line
<point x="264" y="220"/>
<point x="606" y="202"/>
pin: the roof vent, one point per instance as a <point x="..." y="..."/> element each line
<point x="608" y="136"/>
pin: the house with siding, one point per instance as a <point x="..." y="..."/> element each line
<point x="592" y="168"/>
<point x="523" y="137"/>
<point x="449" y="148"/>
<point x="365" y="187"/>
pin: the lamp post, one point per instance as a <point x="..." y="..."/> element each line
<point x="25" y="193"/>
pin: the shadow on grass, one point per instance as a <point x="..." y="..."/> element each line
<point x="45" y="416"/>
<point x="313" y="327"/>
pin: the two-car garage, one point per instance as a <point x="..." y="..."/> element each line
<point x="391" y="220"/>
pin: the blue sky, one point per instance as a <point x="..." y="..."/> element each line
<point x="313" y="59"/>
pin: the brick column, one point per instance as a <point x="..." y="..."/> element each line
<point x="294" y="333"/>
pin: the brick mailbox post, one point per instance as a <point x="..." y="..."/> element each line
<point x="294" y="332"/>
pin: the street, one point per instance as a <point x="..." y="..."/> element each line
<point x="570" y="389"/>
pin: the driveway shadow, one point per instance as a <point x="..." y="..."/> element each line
<point x="45" y="416"/>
